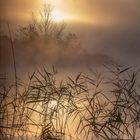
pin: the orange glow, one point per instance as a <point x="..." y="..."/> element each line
<point x="57" y="16"/>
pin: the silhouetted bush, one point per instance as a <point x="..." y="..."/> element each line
<point x="43" y="27"/>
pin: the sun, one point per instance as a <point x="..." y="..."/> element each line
<point x="57" y="16"/>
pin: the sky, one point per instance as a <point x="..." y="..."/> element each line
<point x="110" y="27"/>
<point x="107" y="12"/>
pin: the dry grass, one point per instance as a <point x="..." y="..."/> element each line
<point x="47" y="110"/>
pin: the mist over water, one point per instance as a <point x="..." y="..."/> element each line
<point x="96" y="46"/>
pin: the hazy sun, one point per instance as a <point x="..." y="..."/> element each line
<point x="57" y="16"/>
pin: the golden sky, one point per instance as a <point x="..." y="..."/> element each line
<point x="103" y="12"/>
